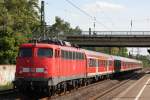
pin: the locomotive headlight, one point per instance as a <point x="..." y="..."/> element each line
<point x="20" y="70"/>
<point x="46" y="72"/>
<point x="25" y="69"/>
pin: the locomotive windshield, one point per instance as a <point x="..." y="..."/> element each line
<point x="45" y="52"/>
<point x="25" y="52"/>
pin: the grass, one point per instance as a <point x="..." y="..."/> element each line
<point x="6" y="87"/>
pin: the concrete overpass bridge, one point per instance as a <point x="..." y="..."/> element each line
<point x="111" y="39"/>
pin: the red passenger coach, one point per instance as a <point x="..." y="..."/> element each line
<point x="130" y="64"/>
<point x="122" y="64"/>
<point x="98" y="64"/>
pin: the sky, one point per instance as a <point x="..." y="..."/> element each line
<point x="108" y="15"/>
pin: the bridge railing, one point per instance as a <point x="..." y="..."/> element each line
<point x="100" y="34"/>
<point x="116" y="33"/>
<point x="107" y="34"/>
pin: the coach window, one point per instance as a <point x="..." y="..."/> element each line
<point x="92" y="63"/>
<point x="99" y="63"/>
<point x="45" y="52"/>
<point x="105" y="63"/>
<point x="110" y="63"/>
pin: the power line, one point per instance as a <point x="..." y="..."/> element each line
<point x="85" y="13"/>
<point x="109" y="18"/>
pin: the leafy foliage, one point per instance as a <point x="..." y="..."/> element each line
<point x="113" y="51"/>
<point x="62" y="27"/>
<point x="145" y="60"/>
<point x="18" y="18"/>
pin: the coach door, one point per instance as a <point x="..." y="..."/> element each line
<point x="97" y="64"/>
<point x="107" y="66"/>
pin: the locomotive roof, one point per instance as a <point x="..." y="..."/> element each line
<point x="68" y="48"/>
<point x="37" y="45"/>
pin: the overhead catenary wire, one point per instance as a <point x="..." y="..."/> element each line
<point x="109" y="18"/>
<point x="87" y="14"/>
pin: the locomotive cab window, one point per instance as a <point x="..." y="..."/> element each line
<point x="45" y="52"/>
<point x="25" y="52"/>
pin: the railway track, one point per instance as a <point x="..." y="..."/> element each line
<point x="95" y="91"/>
<point x="7" y="91"/>
<point x="109" y="90"/>
<point x="73" y="91"/>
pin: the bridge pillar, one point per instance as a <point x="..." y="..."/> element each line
<point x="90" y="31"/>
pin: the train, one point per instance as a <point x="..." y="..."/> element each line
<point x="52" y="65"/>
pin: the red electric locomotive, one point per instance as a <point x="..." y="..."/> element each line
<point x="49" y="66"/>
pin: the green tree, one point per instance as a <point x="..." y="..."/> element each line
<point x="18" y="18"/>
<point x="113" y="51"/>
<point x="62" y="27"/>
<point x="123" y="52"/>
<point x="145" y="60"/>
